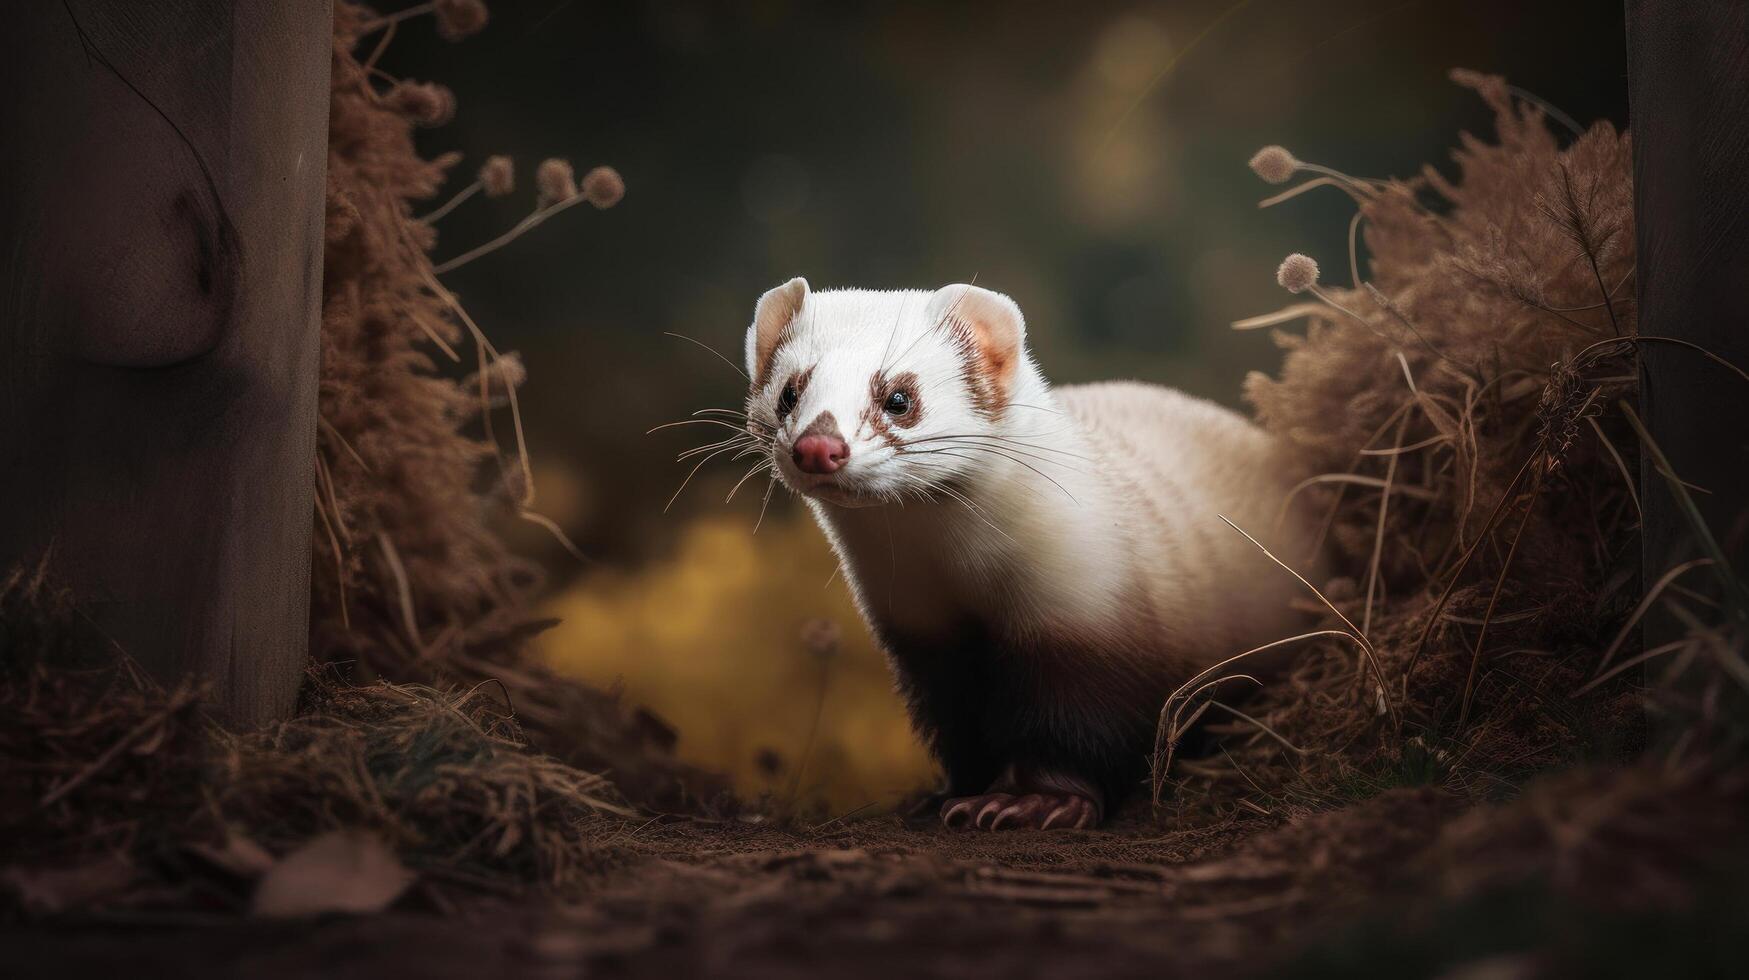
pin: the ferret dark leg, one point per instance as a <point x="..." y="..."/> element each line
<point x="946" y="700"/>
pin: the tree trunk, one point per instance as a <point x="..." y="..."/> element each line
<point x="162" y="212"/>
<point x="1688" y="86"/>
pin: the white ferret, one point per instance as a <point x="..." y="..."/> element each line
<point x="1043" y="566"/>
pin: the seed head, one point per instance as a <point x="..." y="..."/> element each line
<point x="1298" y="273"/>
<point x="821" y="637"/>
<point x="498" y="176"/>
<point x="1274" y="164"/>
<point x="508" y="370"/>
<point x="426" y="103"/>
<point x="603" y="186"/>
<point x="457" y="19"/>
<point x="555" y="181"/>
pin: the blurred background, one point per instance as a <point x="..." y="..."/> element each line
<point x="1088" y="159"/>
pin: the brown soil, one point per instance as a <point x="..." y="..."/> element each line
<point x="882" y="897"/>
<point x="854" y="897"/>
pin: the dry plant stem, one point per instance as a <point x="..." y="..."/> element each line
<point x="1665" y="581"/>
<point x="485" y="350"/>
<point x="1365" y="644"/>
<point x="1342" y="488"/>
<point x="334" y="434"/>
<point x="1627" y="478"/>
<point x="1463" y="563"/>
<point x="376" y="54"/>
<point x="181" y="698"/>
<point x="1330" y="301"/>
<point x="1297" y="311"/>
<point x="1608" y="307"/>
<point x="1643" y="338"/>
<point x="795" y="783"/>
<point x="1169" y="728"/>
<point x="1265" y="729"/>
<point x="1594" y="306"/>
<point x="1494" y="599"/>
<point x="450" y="205"/>
<point x="1351" y="479"/>
<point x="516" y="231"/>
<point x="436" y="338"/>
<point x="1299" y="189"/>
<point x="1432" y="440"/>
<point x="1378" y="545"/>
<point x="1176" y="730"/>
<point x="1730" y="587"/>
<point x="1549" y="109"/>
<point x="1360" y="187"/>
<point x="1388" y="306"/>
<point x="1354" y="246"/>
<point x="403" y="589"/>
<point x="1635" y="661"/>
<point x="389" y="20"/>
<point x="552" y="527"/>
<point x="333" y="539"/>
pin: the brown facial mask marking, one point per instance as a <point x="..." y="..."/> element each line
<point x="798" y="383"/>
<point x="874" y="415"/>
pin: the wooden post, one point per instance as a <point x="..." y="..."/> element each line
<point x="162" y="215"/>
<point x="1688" y="91"/>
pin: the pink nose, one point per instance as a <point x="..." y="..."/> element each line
<point x="818" y="453"/>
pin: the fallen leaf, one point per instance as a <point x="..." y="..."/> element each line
<point x="340" y="871"/>
<point x="52" y="890"/>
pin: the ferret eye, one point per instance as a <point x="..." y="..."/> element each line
<point x="786" y="400"/>
<point x="897" y="404"/>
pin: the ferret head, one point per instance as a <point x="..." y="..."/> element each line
<point x="863" y="397"/>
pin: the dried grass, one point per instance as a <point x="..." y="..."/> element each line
<point x="106" y="769"/>
<point x="411" y="583"/>
<point x="418" y="729"/>
<point x="1458" y="404"/>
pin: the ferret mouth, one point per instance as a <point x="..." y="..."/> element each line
<point x="831" y="489"/>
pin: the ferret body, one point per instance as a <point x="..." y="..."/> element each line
<point x="1043" y="566"/>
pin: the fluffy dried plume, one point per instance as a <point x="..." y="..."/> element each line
<point x="1297" y="273"/>
<point x="603" y="187"/>
<point x="458" y="19"/>
<point x="1454" y="410"/>
<point x="410" y="581"/>
<point x="555" y="182"/>
<point x="498" y="176"/>
<point x="426" y="103"/>
<point x="1274" y="164"/>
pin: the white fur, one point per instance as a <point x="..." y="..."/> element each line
<point x="1078" y="501"/>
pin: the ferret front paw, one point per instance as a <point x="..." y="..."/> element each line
<point x="1020" y="811"/>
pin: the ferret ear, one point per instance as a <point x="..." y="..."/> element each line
<point x="771" y="317"/>
<point x="990" y="323"/>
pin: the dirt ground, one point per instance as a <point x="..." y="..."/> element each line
<point x="1595" y="872"/>
<point x="876" y="896"/>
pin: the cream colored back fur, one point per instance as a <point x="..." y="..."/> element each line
<point x="1085" y="517"/>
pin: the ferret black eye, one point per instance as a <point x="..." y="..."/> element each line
<point x="786" y="400"/>
<point x="897" y="403"/>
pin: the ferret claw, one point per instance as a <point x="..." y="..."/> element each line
<point x="1023" y="810"/>
<point x="1030" y="811"/>
<point x="957" y="810"/>
<point x="995" y="802"/>
<point x="1076" y="812"/>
